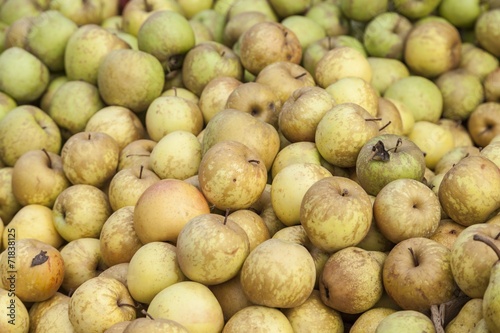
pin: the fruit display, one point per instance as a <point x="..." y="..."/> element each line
<point x="212" y="166"/>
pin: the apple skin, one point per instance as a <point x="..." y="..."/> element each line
<point x="385" y="72"/>
<point x="485" y="25"/>
<point x="214" y="96"/>
<point x="157" y="325"/>
<point x="258" y="318"/>
<point x="39" y="131"/>
<point x="355" y="90"/>
<point x="447" y="232"/>
<point x="40" y="265"/>
<point x="477" y="61"/>
<point x="306" y="29"/>
<point x="408" y="320"/>
<point x="329" y="15"/>
<point x="19" y="314"/>
<point x="238" y="24"/>
<point x="136" y="154"/>
<point x="415" y="9"/>
<point x="483" y="124"/>
<point x="38" y="309"/>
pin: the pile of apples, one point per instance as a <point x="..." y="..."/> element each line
<point x="250" y="166"/>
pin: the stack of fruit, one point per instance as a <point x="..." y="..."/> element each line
<point x="250" y="166"/>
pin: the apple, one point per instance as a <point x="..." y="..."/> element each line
<point x="490" y="83"/>
<point x="172" y="113"/>
<point x="118" y="272"/>
<point x="82" y="261"/>
<point x="258" y="318"/>
<point x="447" y="232"/>
<point x="56" y="318"/>
<point x="482" y="123"/>
<point x="71" y="207"/>
<point x="39" y="131"/>
<point x="38" y="309"/>
<point x="297" y="152"/>
<point x="329" y="16"/>
<point x="7" y="103"/>
<point x="97" y="296"/>
<point x="207" y="61"/>
<point x="390" y="117"/>
<point x="38" y="178"/>
<point x="385" y="72"/>
<point x="407" y="118"/>
<point x="342" y="132"/>
<point x="12" y="10"/>
<point x="202" y="33"/>
<point x="268" y="42"/>
<point x="465" y="197"/>
<point x="435" y="141"/>
<point x="451" y="158"/>
<point x="408" y="320"/>
<point x="462" y="14"/>
<point x="213" y="97"/>
<point x="86" y="49"/>
<point x="120" y="67"/>
<point x="191" y="304"/>
<point x="288" y="265"/>
<point x="136" y="153"/>
<point x="239" y="23"/>
<point x="10" y="206"/>
<point x="88" y="12"/>
<point x="353" y="227"/>
<point x="416" y="206"/>
<point x="120" y="123"/>
<point x="485" y="31"/>
<point x="491" y="152"/>
<point x="32" y="221"/>
<point x="55" y="82"/>
<point x="253" y="225"/>
<point x="231" y="8"/>
<point x="305" y="28"/>
<point x="165" y="207"/>
<point x="235" y="125"/>
<point x="232" y="175"/>
<point x="16" y="317"/>
<point x="415" y="9"/>
<point x="15" y="35"/>
<point x="284" y="78"/>
<point x="361" y="10"/>
<point x="168" y="36"/>
<point x="264" y="104"/>
<point x="461" y="136"/>
<point x="388" y="157"/>
<point x="31" y="268"/>
<point x="477" y="61"/>
<point x="417" y="274"/>
<point x="72" y="106"/>
<point x="154" y="325"/>
<point x="386" y="34"/>
<point x="369" y="320"/>
<point x="265" y="209"/>
<point x="90" y="158"/>
<point x="230" y="296"/>
<point x="355" y="90"/>
<point x="152" y="268"/>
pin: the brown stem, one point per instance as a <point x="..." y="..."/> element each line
<point x="488" y="241"/>
<point x="398" y="143"/>
<point x="254" y="161"/>
<point x="301" y="75"/>
<point x="384" y="127"/>
<point x="175" y="91"/>
<point x="126" y="304"/>
<point x="144" y="312"/>
<point x="48" y="156"/>
<point x="141" y="155"/>
<point x="497" y="236"/>
<point x="140" y="171"/>
<point x="90" y="136"/>
<point x="226" y="215"/>
<point x="223" y="53"/>
<point x="373" y="119"/>
<point x="415" y="259"/>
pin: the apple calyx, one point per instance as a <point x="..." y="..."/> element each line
<point x="345" y="192"/>
<point x="488" y="241"/>
<point x="48" y="157"/>
<point x="379" y="153"/>
<point x="414" y="256"/>
<point x="126" y="304"/>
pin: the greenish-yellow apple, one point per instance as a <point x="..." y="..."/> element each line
<point x="288" y="265"/>
<point x="321" y="217"/>
<point x="369" y="320"/>
<point x="192" y="7"/>
<point x="284" y="78"/>
<point x="48" y="38"/>
<point x="136" y="153"/>
<point x="191" y="304"/>
<point x="90" y="12"/>
<point x="209" y="60"/>
<point x="391" y="120"/>
<point x="329" y="16"/>
<point x="12" y="10"/>
<point x="296" y="152"/>
<point x="214" y="96"/>
<point x="363" y="10"/>
<point x="342" y="132"/>
<point x="15" y="36"/>
<point x="386" y="34"/>
<point x="165" y="207"/>
<point x="168" y="36"/>
<point x="447" y="232"/>
<point x="118" y="271"/>
<point x="385" y="72"/>
<point x="461" y="136"/>
<point x="253" y="225"/>
<point x="41" y="266"/>
<point x="265" y="209"/>
<point x="38" y="130"/>
<point x="355" y="90"/>
<point x="258" y="318"/>
<point x="409" y="321"/>
<point x="230" y="296"/>
<point x="106" y="295"/>
<point x="462" y="14"/>
<point x="483" y="124"/>
<point x="491" y="86"/>
<point x="257" y="99"/>
<point x="235" y="125"/>
<point x="268" y="42"/>
<point x="56" y="81"/>
<point x="55" y="319"/>
<point x="417" y="274"/>
<point x="305" y="28"/>
<point x="452" y="157"/>
<point x="434" y="140"/>
<point x="232" y="8"/>
<point x="361" y="274"/>
<point x="120" y="67"/>
<point x="146" y="324"/>
<point x="7" y="103"/>
<point x="477" y="61"/>
<point x="37" y="310"/>
<point x="302" y="111"/>
<point x="407" y="118"/>
<point x="17" y="317"/>
<point x="285" y="9"/>
<point x="415" y="9"/>
<point x="71" y="207"/>
<point x="492" y="152"/>
<point x="486" y="32"/>
<point x="152" y="268"/>
<point x="211" y="249"/>
<point x="341" y="62"/>
<point x="468" y="316"/>
<point x="137" y="11"/>
<point x="314" y="315"/>
<point x="464" y="195"/>
<point x="85" y="50"/>
<point x="22" y="75"/>
<point x="33" y="221"/>
<point x="471" y="261"/>
<point x="462" y="92"/>
<point x="38" y="178"/>
<point x="10" y="205"/>
<point x="289" y="187"/>
<point x="118" y="240"/>
<point x="421" y="95"/>
<point x="90" y="158"/>
<point x="177" y="155"/>
<point x="120" y="123"/>
<point x="406" y="208"/>
<point x="73" y="104"/>
<point x="232" y="175"/>
<point x="238" y="24"/>
<point x="432" y="48"/>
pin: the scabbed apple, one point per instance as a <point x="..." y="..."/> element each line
<point x="385" y="72"/>
<point x="477" y="61"/>
<point x="136" y="154"/>
<point x="214" y="96"/>
<point x="486" y="31"/>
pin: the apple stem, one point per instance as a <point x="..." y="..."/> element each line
<point x="140" y="171"/>
<point x="415" y="259"/>
<point x="301" y="75"/>
<point x="130" y="155"/>
<point x="48" y="156"/>
<point x="223" y="53"/>
<point x="144" y="312"/>
<point x="90" y="136"/>
<point x="384" y="127"/>
<point x="488" y="241"/>
<point x="330" y="43"/>
<point x="398" y="143"/>
<point x="497" y="236"/>
<point x="126" y="304"/>
<point x="226" y="215"/>
<point x="254" y="161"/>
<point x="175" y="91"/>
<point x="373" y="119"/>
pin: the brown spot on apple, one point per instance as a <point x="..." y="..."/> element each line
<point x="39" y="258"/>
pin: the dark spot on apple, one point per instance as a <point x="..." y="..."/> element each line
<point x="344" y="192"/>
<point x="327" y="292"/>
<point x="483" y="166"/>
<point x="271" y="106"/>
<point x="453" y="232"/>
<point x="254" y="112"/>
<point x="234" y="180"/>
<point x="415" y="205"/>
<point x="39" y="259"/>
<point x="288" y="57"/>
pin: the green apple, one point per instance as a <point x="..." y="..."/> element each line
<point x="432" y="48"/>
<point x="305" y="28"/>
<point x="22" y="75"/>
<point x="415" y="9"/>
<point x="88" y="12"/>
<point x="238" y="24"/>
<point x="7" y="103"/>
<point x="168" y="36"/>
<point x="193" y="7"/>
<point x="235" y="7"/>
<point x="38" y="131"/>
<point x="12" y="10"/>
<point x="386" y="34"/>
<point x="462" y="14"/>
<point x="55" y="82"/>
<point x="285" y="9"/>
<point x="363" y="10"/>
<point x="486" y="31"/>
<point x="477" y="61"/>
<point x="408" y="320"/>
<point x="329" y="16"/>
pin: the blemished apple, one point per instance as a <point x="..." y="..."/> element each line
<point x="136" y="153"/>
<point x="483" y="123"/>
<point x="253" y="225"/>
<point x="230" y="296"/>
<point x="385" y="72"/>
<point x="214" y="96"/>
<point x="37" y="310"/>
<point x="259" y="318"/>
<point x="410" y="321"/>
<point x="239" y="23"/>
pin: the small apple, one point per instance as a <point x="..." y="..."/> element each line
<point x="415" y="9"/>
<point x="136" y="153"/>
<point x="435" y="141"/>
<point x="118" y="272"/>
<point x="385" y="72"/>
<point x="230" y="296"/>
<point x="485" y="26"/>
<point x="390" y="117"/>
<point x="214" y="96"/>
<point x="369" y="320"/>
<point x="355" y="90"/>
<point x="252" y="224"/>
<point x="259" y="318"/>
<point x="451" y="158"/>
<point x="483" y="123"/>
<point x="10" y="206"/>
<point x="54" y="84"/>
<point x="213" y="21"/>
<point x="7" y="103"/>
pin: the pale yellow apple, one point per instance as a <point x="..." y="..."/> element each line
<point x="16" y="318"/>
<point x="354" y="90"/>
<point x="461" y="136"/>
<point x="434" y="140"/>
<point x="136" y="153"/>
<point x="391" y="122"/>
<point x="55" y="319"/>
<point x="297" y="152"/>
<point x="37" y="310"/>
<point x="369" y="320"/>
<point x="118" y="272"/>
<point x="253" y="225"/>
<point x="407" y="118"/>
<point x="260" y="319"/>
<point x="214" y="96"/>
<point x="230" y="296"/>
